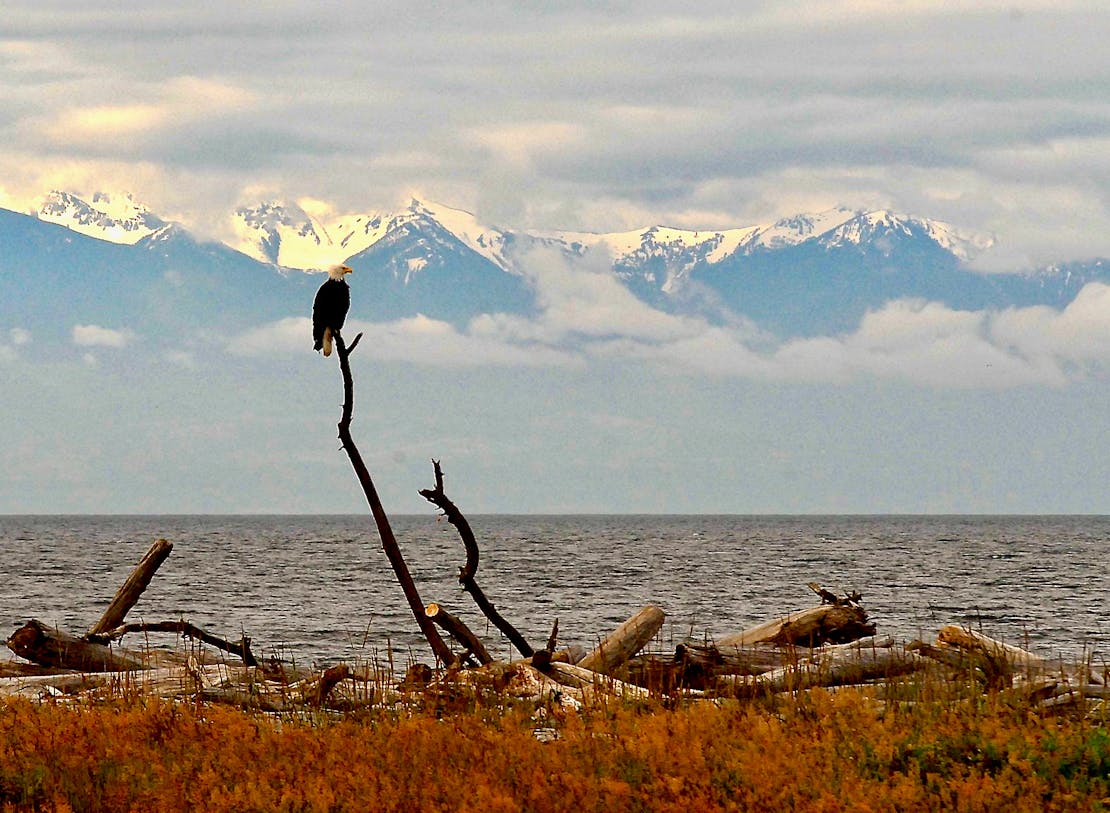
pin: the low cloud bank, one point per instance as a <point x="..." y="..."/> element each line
<point x="586" y="316"/>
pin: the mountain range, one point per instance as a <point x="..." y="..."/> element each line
<point x="106" y="259"/>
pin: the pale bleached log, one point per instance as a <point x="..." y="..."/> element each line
<point x="969" y="640"/>
<point x="69" y="682"/>
<point x="837" y="666"/>
<point x="827" y="623"/>
<point x="625" y="641"/>
<point x="132" y="589"/>
<point x="579" y="677"/>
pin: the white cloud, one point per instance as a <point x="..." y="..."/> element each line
<point x="519" y="143"/>
<point x="921" y="342"/>
<point x="582" y="299"/>
<point x="586" y="314"/>
<point x="96" y="336"/>
<point x="170" y="104"/>
<point x="417" y="340"/>
<point x="17" y="337"/>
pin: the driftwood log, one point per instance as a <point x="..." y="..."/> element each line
<point x="827" y="666"/>
<point x="997" y="663"/>
<point x="385" y="531"/>
<point x="625" y="641"/>
<point x="242" y="648"/>
<point x="40" y="644"/>
<point x="132" y="589"/>
<point x="713" y="659"/>
<point x="438" y="497"/>
<point x="827" y="623"/>
<point x="1006" y="655"/>
<point x="457" y="629"/>
<point x="53" y="648"/>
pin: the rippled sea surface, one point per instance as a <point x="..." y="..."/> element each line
<point x="319" y="589"/>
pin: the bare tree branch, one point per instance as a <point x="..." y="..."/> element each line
<point x="439" y="498"/>
<point x="385" y="531"/>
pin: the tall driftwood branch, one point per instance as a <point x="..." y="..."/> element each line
<point x="385" y="531"/>
<point x="438" y="497"/>
<point x="132" y="589"/>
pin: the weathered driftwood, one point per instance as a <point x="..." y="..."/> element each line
<point x="712" y="659"/>
<point x="969" y="640"/>
<point x="241" y="649"/>
<point x="40" y="644"/>
<point x="579" y="678"/>
<point x="827" y="623"/>
<point x="541" y="658"/>
<point x="438" y="497"/>
<point x="996" y="662"/>
<point x="385" y="531"/>
<point x="316" y="690"/>
<point x="945" y="655"/>
<point x="830" y="666"/>
<point x="52" y="648"/>
<point x="625" y="641"/>
<point x="457" y="629"/>
<point x="829" y="597"/>
<point x="132" y="589"/>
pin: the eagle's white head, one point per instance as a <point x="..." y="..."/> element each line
<point x="339" y="271"/>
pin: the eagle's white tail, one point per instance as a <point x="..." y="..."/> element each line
<point x="327" y="341"/>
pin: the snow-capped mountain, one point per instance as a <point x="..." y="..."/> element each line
<point x="667" y="258"/>
<point x="115" y="217"/>
<point x="804" y="275"/>
<point x="285" y="234"/>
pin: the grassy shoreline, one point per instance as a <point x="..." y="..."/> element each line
<point x="814" y="751"/>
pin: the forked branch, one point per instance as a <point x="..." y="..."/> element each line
<point x="438" y="497"/>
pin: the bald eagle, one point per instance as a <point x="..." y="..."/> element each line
<point x="329" y="309"/>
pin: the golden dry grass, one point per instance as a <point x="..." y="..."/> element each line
<point x="821" y="751"/>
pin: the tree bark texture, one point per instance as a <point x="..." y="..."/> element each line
<point x="839" y="666"/>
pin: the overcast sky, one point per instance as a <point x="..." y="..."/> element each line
<point x="994" y="116"/>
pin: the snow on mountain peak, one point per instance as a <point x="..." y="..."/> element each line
<point x="113" y="216"/>
<point x="287" y="235"/>
<point x="865" y="226"/>
<point x="797" y="229"/>
<point x="311" y="237"/>
<point x="480" y="238"/>
<point x="284" y="234"/>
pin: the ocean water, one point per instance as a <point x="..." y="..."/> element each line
<point x="318" y="589"/>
